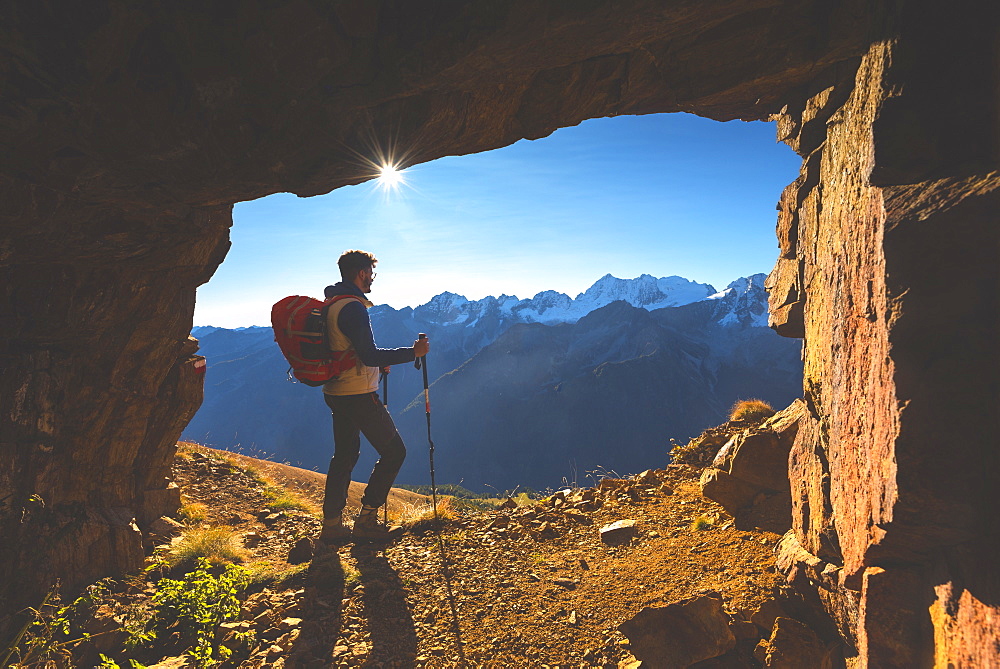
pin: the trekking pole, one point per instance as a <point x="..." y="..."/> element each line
<point x="384" y="371"/>
<point x="421" y="364"/>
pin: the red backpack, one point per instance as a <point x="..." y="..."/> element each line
<point x="299" y="325"/>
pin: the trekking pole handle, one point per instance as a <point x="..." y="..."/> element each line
<point x="416" y="361"/>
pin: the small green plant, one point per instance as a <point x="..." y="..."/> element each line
<point x="352" y="577"/>
<point x="109" y="663"/>
<point x="50" y="633"/>
<point x="751" y="410"/>
<point x="702" y="523"/>
<point x="194" y="606"/>
<point x="218" y="545"/>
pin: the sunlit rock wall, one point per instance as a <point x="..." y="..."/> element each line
<point x="888" y="267"/>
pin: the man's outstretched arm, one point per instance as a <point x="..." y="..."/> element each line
<point x="355" y="324"/>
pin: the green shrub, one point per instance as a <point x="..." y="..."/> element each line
<point x="49" y="632"/>
<point x="194" y="606"/>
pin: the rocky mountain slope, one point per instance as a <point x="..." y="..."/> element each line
<point x="545" y="403"/>
<point x="508" y="387"/>
<point x="536" y="584"/>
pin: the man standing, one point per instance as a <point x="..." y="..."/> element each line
<point x="354" y="401"/>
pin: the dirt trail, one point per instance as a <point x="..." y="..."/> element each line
<point x="531" y="586"/>
<point x="519" y="586"/>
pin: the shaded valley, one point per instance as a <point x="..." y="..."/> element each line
<point x="524" y="393"/>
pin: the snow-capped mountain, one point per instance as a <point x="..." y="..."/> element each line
<point x="550" y="307"/>
<point x="743" y="302"/>
<point x="611" y="374"/>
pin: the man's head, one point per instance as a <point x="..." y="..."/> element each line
<point x="358" y="267"/>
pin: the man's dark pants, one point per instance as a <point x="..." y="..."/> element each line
<point x="352" y="416"/>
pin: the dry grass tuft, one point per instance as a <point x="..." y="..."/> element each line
<point x="193" y="513"/>
<point x="419" y="518"/>
<point x="264" y="574"/>
<point x="702" y="523"/>
<point x="283" y="499"/>
<point x="751" y="410"/>
<point x="219" y="545"/>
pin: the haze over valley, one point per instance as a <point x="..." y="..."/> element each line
<point x="523" y="392"/>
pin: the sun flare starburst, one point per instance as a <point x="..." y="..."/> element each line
<point x="390" y="176"/>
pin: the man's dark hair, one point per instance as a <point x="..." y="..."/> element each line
<point x="351" y="262"/>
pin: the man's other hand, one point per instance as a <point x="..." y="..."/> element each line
<point x="420" y="347"/>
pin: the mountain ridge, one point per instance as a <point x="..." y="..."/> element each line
<point x="634" y="376"/>
<point x="644" y="291"/>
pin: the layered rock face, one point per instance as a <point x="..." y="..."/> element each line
<point x="889" y="268"/>
<point x="129" y="131"/>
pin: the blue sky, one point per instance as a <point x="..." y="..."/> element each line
<point x="661" y="194"/>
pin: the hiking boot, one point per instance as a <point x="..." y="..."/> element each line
<point x="335" y="532"/>
<point x="367" y="527"/>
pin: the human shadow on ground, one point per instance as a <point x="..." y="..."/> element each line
<point x="392" y="633"/>
<point x="321" y="611"/>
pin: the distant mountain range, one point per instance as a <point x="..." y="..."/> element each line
<point x="524" y="392"/>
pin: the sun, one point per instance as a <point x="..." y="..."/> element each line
<point x="390" y="176"/>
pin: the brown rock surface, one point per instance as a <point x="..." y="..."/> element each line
<point x="886" y="470"/>
<point x="128" y="132"/>
<point x="791" y="645"/>
<point x="618" y="532"/>
<point x="749" y="474"/>
<point x="730" y="492"/>
<point x="680" y="634"/>
<point x="759" y="458"/>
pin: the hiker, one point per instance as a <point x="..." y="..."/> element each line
<point x="354" y="401"/>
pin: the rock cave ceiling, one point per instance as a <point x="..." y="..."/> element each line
<point x="157" y="106"/>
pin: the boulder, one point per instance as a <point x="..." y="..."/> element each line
<point x="618" y="532"/>
<point x="791" y="645"/>
<point x="301" y="552"/>
<point x="680" y="634"/>
<point x="761" y="458"/>
<point x="165" y="527"/>
<point x="159" y="502"/>
<point x="785" y="423"/>
<point x="732" y="493"/>
<point x="731" y="660"/>
<point x="766" y="613"/>
<point x="771" y="512"/>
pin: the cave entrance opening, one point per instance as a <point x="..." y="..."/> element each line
<point x="623" y="204"/>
